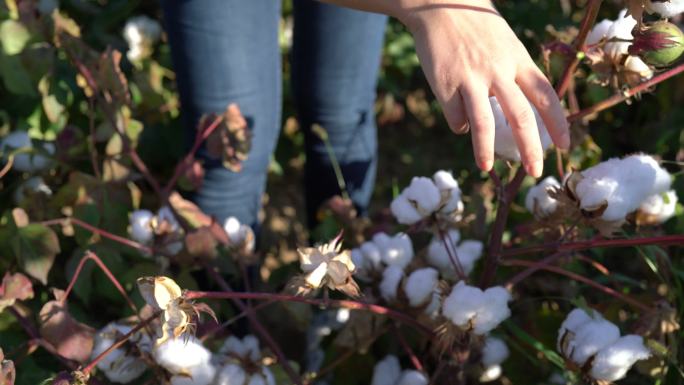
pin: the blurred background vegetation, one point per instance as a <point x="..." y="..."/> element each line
<point x="40" y="93"/>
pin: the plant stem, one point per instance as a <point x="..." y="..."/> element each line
<point x="677" y="240"/>
<point x="496" y="239"/>
<point x="619" y="98"/>
<point x="100" y="232"/>
<point x="415" y="361"/>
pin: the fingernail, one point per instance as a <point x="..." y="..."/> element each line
<point x="485" y="164"/>
<point x="535" y="168"/>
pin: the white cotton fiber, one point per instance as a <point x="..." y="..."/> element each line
<point x="166" y="215"/>
<point x="412" y="377"/>
<point x="394" y="250"/>
<point x="660" y="207"/>
<point x="231" y="374"/>
<point x="576" y="318"/>
<point x="178" y="355"/>
<point x="467" y="253"/>
<point x="387" y="371"/>
<point x="246" y="348"/>
<point x="592" y="337"/>
<point x="491" y="373"/>
<point x="621" y="183"/>
<point x="420" y="285"/>
<point x="391" y="278"/>
<point x="141" y="226"/>
<point x="202" y="374"/>
<point x="449" y="190"/>
<point x="538" y="201"/>
<point x="504" y="142"/>
<point x="420" y="199"/>
<point x="665" y="9"/>
<point x="494" y="351"/>
<point x="117" y="366"/>
<point x="613" y="361"/>
<point x="469" y="306"/>
<point x="25" y="161"/>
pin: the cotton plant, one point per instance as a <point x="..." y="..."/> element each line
<point x="26" y="157"/>
<point x="472" y="309"/>
<point x="141" y="33"/>
<point x="382" y="250"/>
<point x="388" y="371"/>
<point x="241" y="236"/>
<point x="439" y="196"/>
<point x="241" y="362"/>
<point x="146" y="227"/>
<point x="187" y="360"/>
<point x="464" y="252"/>
<point x="594" y="345"/>
<point x="505" y="145"/>
<point x="494" y="353"/>
<point x="539" y="201"/>
<point x="124" y="364"/>
<point x="666" y="9"/>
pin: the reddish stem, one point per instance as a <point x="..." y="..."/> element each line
<point x="677" y="240"/>
<point x="412" y="356"/>
<point x="579" y="278"/>
<point x="536" y="266"/>
<point x="453" y="257"/>
<point x="100" y="232"/>
<point x="619" y="98"/>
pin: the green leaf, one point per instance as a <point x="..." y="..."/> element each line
<point x="35" y="247"/>
<point x="15" y="77"/>
<point x="13" y="36"/>
<point x="87" y="213"/>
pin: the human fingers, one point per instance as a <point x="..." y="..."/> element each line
<point x="481" y="120"/>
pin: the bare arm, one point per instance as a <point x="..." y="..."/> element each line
<point x="468" y="53"/>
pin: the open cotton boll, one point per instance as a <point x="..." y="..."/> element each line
<point x="420" y="285"/>
<point x="491" y="373"/>
<point x="246" y="348"/>
<point x="202" y="374"/>
<point x="140" y="32"/>
<point x="665" y="9"/>
<point x="387" y="371"/>
<point x="484" y="310"/>
<point x="178" y="355"/>
<point x="592" y="337"/>
<point x="117" y="366"/>
<point x="166" y="215"/>
<point x="412" y="377"/>
<point x="391" y="278"/>
<point x="612" y="362"/>
<point x="494" y="351"/>
<point x="417" y="201"/>
<point x="450" y="191"/>
<point x="573" y="321"/>
<point x="25" y="161"/>
<point x="538" y="201"/>
<point x="396" y="250"/>
<point x="621" y="29"/>
<point x="239" y="233"/>
<point x="622" y="184"/>
<point x="504" y="142"/>
<point x="599" y="32"/>
<point x="141" y="226"/>
<point x="231" y="374"/>
<point x="660" y="207"/>
<point x="467" y="253"/>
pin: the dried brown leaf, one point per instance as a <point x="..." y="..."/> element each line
<point x="72" y="339"/>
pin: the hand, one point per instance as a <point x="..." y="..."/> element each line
<point x="468" y="52"/>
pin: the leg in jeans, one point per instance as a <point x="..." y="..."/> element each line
<point x="335" y="62"/>
<point x="226" y="51"/>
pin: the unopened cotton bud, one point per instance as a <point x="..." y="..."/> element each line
<point x="665" y="8"/>
<point x="612" y="362"/>
<point x="538" y="201"/>
<point x="420" y="285"/>
<point x="387" y="371"/>
<point x="141" y="226"/>
<point x="504" y="141"/>
<point x="391" y="278"/>
<point x="659" y="44"/>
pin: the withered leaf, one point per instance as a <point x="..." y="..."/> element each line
<point x="202" y="243"/>
<point x="14" y="287"/>
<point x="71" y="339"/>
<point x="192" y="214"/>
<point x="232" y="140"/>
<point x="7" y="372"/>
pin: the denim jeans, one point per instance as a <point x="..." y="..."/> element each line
<point x="226" y="51"/>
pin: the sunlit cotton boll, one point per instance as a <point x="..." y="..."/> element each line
<point x="394" y="250"/>
<point x="538" y="201"/>
<point x="141" y="226"/>
<point x="420" y="285"/>
<point x="660" y="207"/>
<point x="467" y="253"/>
<point x="202" y="374"/>
<point x="117" y="366"/>
<point x="178" y="355"/>
<point x="469" y="305"/>
<point x="165" y="214"/>
<point x="665" y="9"/>
<point x="140" y="32"/>
<point x="239" y="233"/>
<point x="622" y="184"/>
<point x="387" y="371"/>
<point x="417" y="201"/>
<point x="450" y="191"/>
<point x="620" y="28"/>
<point x="612" y="362"/>
<point x="246" y="348"/>
<point x="25" y="161"/>
<point x="592" y="337"/>
<point x="504" y="142"/>
<point x="391" y="278"/>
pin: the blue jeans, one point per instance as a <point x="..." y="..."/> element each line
<point x="226" y="51"/>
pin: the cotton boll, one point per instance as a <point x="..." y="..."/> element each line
<point x="117" y="365"/>
<point x="462" y="304"/>
<point x="202" y="374"/>
<point x="404" y="211"/>
<point x="270" y="379"/>
<point x="574" y="320"/>
<point x="493" y="311"/>
<point x="140" y="32"/>
<point x="420" y="199"/>
<point x="660" y="207"/>
<point x="494" y="351"/>
<point x="396" y="250"/>
<point x="600" y="31"/>
<point x="450" y="191"/>
<point x="665" y="9"/>
<point x="251" y="344"/>
<point x="432" y="309"/>
<point x="468" y="305"/>
<point x="231" y="374"/>
<point x="504" y="142"/>
<point x="491" y="373"/>
<point x="372" y="256"/>
<point x="538" y="201"/>
<point x="444" y="180"/>
<point x="621" y="29"/>
<point x="178" y="355"/>
<point x="420" y="285"/>
<point x="166" y="215"/>
<point x="412" y="377"/>
<point x="613" y="361"/>
<point x="468" y="252"/>
<point x="25" y="161"/>
<point x="33" y="185"/>
<point x="141" y="226"/>
<point x="245" y="348"/>
<point x="391" y="278"/>
<point x="592" y="337"/>
<point x="438" y="255"/>
<point x="387" y="371"/>
<point x="257" y="379"/>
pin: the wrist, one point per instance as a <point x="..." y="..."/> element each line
<point x="415" y="13"/>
